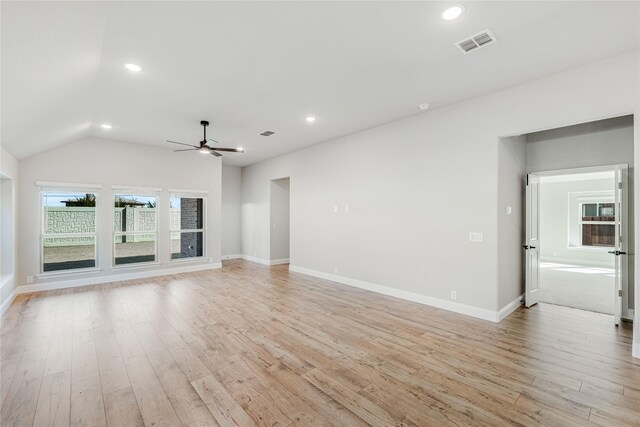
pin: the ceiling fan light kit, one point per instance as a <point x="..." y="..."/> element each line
<point x="203" y="148"/>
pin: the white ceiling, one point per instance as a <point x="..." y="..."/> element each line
<point x="254" y="66"/>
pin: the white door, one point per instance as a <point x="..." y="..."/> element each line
<point x="532" y="240"/>
<point x="620" y="245"/>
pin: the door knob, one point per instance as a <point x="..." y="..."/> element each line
<point x="617" y="253"/>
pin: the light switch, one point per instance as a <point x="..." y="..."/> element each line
<point x="476" y="237"/>
<point x="507" y="210"/>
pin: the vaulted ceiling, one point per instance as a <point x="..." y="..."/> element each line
<point x="253" y="66"/>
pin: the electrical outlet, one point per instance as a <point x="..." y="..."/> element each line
<point x="275" y="226"/>
<point x="335" y="269"/>
<point x="454" y="295"/>
<point x="29" y="279"/>
<point x="476" y="237"/>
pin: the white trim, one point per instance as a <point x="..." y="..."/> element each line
<point x="132" y="265"/>
<point x="256" y="259"/>
<point x="635" y="350"/>
<point x="8" y="302"/>
<point x="70" y="272"/>
<point x="135" y="188"/>
<point x="260" y="260"/>
<point x="66" y="185"/>
<point x="505" y="311"/>
<point x="188" y="259"/>
<point x="8" y="278"/>
<point x="480" y="313"/>
<point x="47" y="286"/>
<point x="179" y="191"/>
<point x="233" y="256"/>
<point x="575" y="171"/>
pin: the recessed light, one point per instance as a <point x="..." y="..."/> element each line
<point x="240" y="149"/>
<point x="106" y="126"/>
<point x="424" y="106"/>
<point x="452" y="12"/>
<point x="311" y="119"/>
<point x="133" y="67"/>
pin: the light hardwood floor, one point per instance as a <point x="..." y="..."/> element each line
<point x="252" y="345"/>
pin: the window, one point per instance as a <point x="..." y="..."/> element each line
<point x="135" y="229"/>
<point x="597" y="224"/>
<point x="68" y="238"/>
<point x="187" y="226"/>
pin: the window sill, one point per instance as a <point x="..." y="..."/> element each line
<point x="68" y="272"/>
<point x="191" y="259"/>
<point x="136" y="265"/>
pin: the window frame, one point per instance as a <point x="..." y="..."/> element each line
<point x="132" y="191"/>
<point x="190" y="195"/>
<point x="71" y="189"/>
<point x="575" y="200"/>
<point x="589" y="200"/>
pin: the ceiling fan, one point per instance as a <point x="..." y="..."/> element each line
<point x="203" y="147"/>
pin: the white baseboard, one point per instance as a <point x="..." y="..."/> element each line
<point x="7" y="303"/>
<point x="255" y="259"/>
<point x="233" y="256"/>
<point x="510" y="308"/>
<point x="469" y="310"/>
<point x="265" y="261"/>
<point x="62" y="284"/>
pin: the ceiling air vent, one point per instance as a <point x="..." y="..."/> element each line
<point x="476" y="41"/>
<point x="267" y="133"/>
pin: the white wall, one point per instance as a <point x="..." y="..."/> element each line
<point x="279" y="217"/>
<point x="511" y="166"/>
<point x="9" y="169"/>
<point x="555" y="215"/>
<point x="415" y="188"/>
<point x="109" y="163"/>
<point x="231" y="199"/>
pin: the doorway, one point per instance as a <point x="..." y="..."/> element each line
<point x="576" y="238"/>
<point x="279" y="221"/>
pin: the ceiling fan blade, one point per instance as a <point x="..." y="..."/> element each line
<point x="182" y="143"/>
<point x="213" y="140"/>
<point x="231" y="150"/>
<point x="186" y="149"/>
<point x="215" y="154"/>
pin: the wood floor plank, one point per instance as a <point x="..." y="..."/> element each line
<point x="20" y="405"/>
<point x="121" y="409"/>
<point x="152" y="399"/>
<point x="252" y="345"/>
<point x="87" y="404"/>
<point x="54" y="401"/>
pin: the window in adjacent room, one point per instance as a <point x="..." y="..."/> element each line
<point x="68" y="238"/>
<point x="187" y="226"/>
<point x="597" y="224"/>
<point x="135" y="229"/>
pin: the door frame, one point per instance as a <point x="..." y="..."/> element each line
<point x="624" y="214"/>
